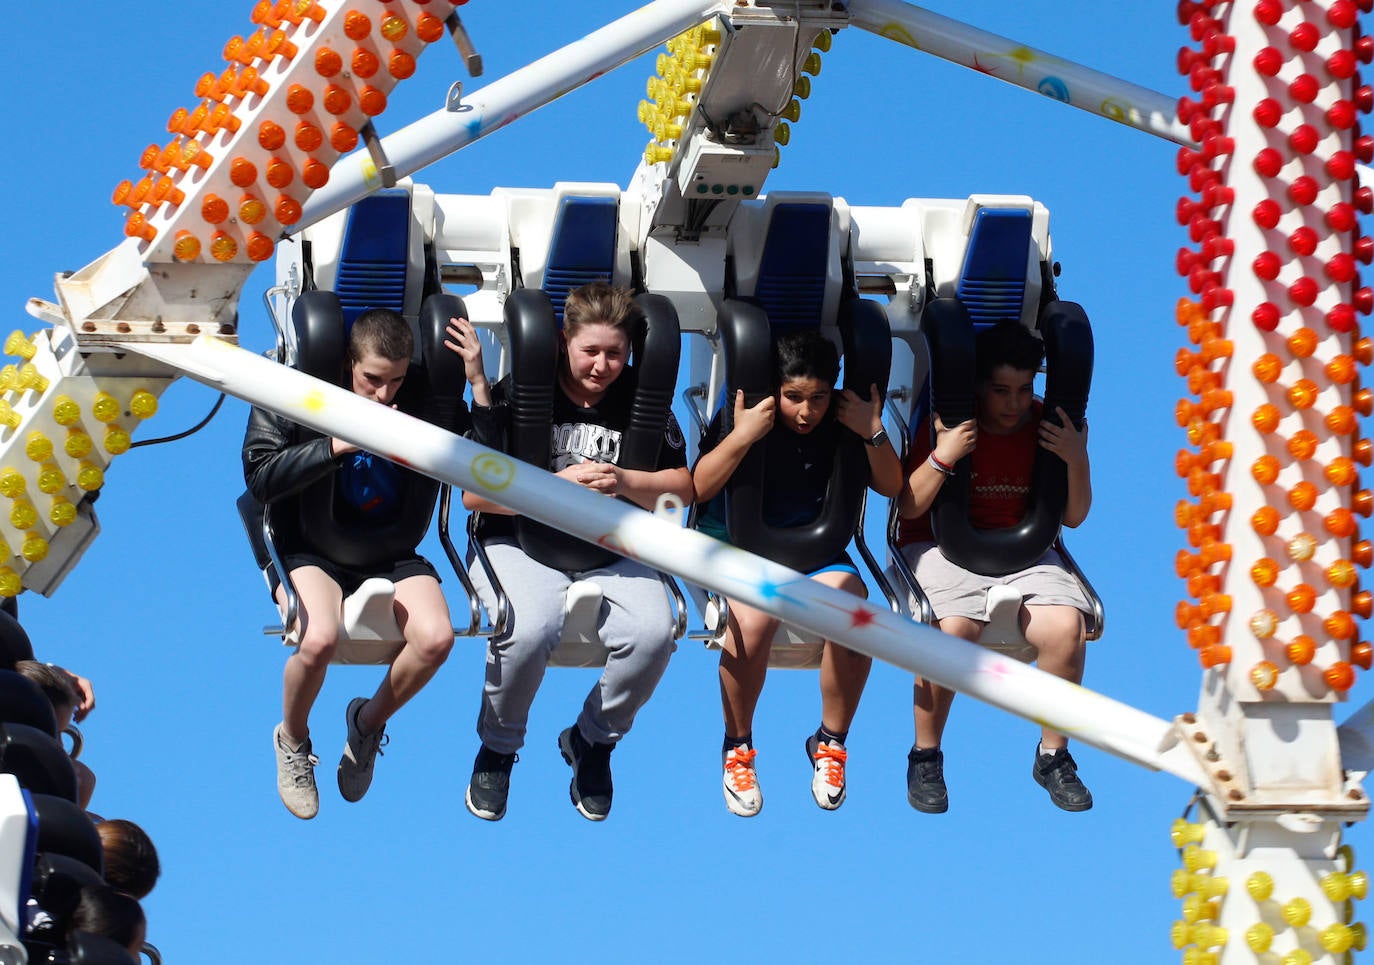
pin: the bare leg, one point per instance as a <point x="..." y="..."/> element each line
<point x="843" y="671"/>
<point x="932" y="702"/>
<point x="1057" y="634"/>
<point x="422" y="613"/>
<point x="744" y="665"/>
<point x="321" y="603"/>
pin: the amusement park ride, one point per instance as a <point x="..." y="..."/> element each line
<point x="281" y="155"/>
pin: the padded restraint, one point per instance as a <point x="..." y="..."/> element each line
<point x="374" y="258"/>
<point x="64" y="828"/>
<point x="23" y="702"/>
<point x="532" y="332"/>
<point x="14" y="642"/>
<point x="748" y="342"/>
<point x="582" y="249"/>
<point x="432" y="391"/>
<point x="992" y="282"/>
<point x="37" y="759"/>
<point x="1068" y="375"/>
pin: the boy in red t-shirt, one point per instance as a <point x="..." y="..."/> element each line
<point x="1002" y="442"/>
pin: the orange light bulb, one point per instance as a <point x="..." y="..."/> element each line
<point x="186" y="247"/>
<point x="1362" y="654"/>
<point x="1341" y="420"/>
<point x="214" y="209"/>
<point x="1341" y="472"/>
<point x="328" y="63"/>
<point x="1303" y="343"/>
<point x="1267" y="368"/>
<point x="1302" y="394"/>
<point x="364" y="63"/>
<point x="308" y="137"/>
<point x="1341" y="574"/>
<point x="357" y="25"/>
<point x="1339" y="626"/>
<point x="251" y="209"/>
<point x="1302" y="444"/>
<point x="1265" y="571"/>
<point x="1264" y="675"/>
<point x="1214" y="655"/>
<point x="400" y="65"/>
<point x="1303" y="496"/>
<point x="271" y="136"/>
<point x="223" y="247"/>
<point x="1341" y="370"/>
<point x="1340" y="676"/>
<point x="1266" y="418"/>
<point x="1265" y="521"/>
<point x="1340" y="522"/>
<point x="259" y="247"/>
<point x="1301" y="598"/>
<point x="1265" y="470"/>
<point x="1301" y="650"/>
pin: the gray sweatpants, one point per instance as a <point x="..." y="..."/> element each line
<point x="635" y="625"/>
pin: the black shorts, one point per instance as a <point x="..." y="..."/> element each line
<point x="350" y="579"/>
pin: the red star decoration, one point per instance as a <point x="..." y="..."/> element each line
<point x="861" y="617"/>
<point x="981" y="69"/>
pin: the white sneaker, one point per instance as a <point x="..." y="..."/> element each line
<point x="827" y="783"/>
<point x="740" y="782"/>
<point x="296" y="777"/>
<point x="359" y="754"/>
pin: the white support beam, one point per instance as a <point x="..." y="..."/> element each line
<point x="662" y="543"/>
<point x="1016" y="63"/>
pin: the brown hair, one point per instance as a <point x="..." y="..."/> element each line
<point x="131" y="863"/>
<point x="382" y="332"/>
<point x="55" y="682"/>
<point x="104" y="911"/>
<point x="600" y="304"/>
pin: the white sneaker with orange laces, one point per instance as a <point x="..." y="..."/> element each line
<point x="827" y="783"/>
<point x="741" y="782"/>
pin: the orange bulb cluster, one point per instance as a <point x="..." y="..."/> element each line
<point x="270" y="124"/>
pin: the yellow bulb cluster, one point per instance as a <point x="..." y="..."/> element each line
<point x="1296" y="914"/>
<point x="1202" y="893"/>
<point x="49" y="459"/>
<point x="673" y="90"/>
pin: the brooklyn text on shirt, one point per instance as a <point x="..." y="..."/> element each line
<point x="578" y="442"/>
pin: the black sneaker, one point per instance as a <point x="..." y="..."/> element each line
<point x="490" y="784"/>
<point x="1058" y="774"/>
<point x="925" y="780"/>
<point x="590" y="789"/>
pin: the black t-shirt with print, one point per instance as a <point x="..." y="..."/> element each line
<point x="578" y="434"/>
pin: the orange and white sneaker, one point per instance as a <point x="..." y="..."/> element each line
<point x="827" y="783"/>
<point x="740" y="782"/>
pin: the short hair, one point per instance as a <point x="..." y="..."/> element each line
<point x="55" y="682"/>
<point x="1008" y="343"/>
<point x="804" y="353"/>
<point x="104" y="911"/>
<point x="131" y="863"/>
<point x="598" y="303"/>
<point x="383" y="332"/>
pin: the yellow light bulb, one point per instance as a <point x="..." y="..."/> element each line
<point x="116" y="441"/>
<point x="65" y="411"/>
<point x="1197" y="908"/>
<point x="1260" y="885"/>
<point x="38" y="447"/>
<point x="11" y="483"/>
<point x="1298" y="956"/>
<point x="1259" y="937"/>
<point x="1180" y="882"/>
<point x="78" y="443"/>
<point x="1208" y="936"/>
<point x="105" y="408"/>
<point x="1337" y="938"/>
<point x="31" y="378"/>
<point x="1185" y="832"/>
<point x="19" y="344"/>
<point x="143" y="404"/>
<point x="62" y="512"/>
<point x="1198" y="859"/>
<point x="10" y="583"/>
<point x="50" y="478"/>
<point x="35" y="548"/>
<point x="1297" y="912"/>
<point x="22" y="514"/>
<point x="89" y="477"/>
<point x="9" y="378"/>
<point x="8" y="416"/>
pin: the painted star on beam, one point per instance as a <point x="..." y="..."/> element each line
<point x="981" y="69"/>
<point x="861" y="617"/>
<point x="1023" y="56"/>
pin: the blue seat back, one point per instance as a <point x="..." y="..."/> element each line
<point x="992" y="283"/>
<point x="793" y="268"/>
<point x="375" y="255"/>
<point x="582" y="249"/>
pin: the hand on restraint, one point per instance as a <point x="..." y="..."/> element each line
<point x="863" y="417"/>
<point x="752" y="424"/>
<point x="462" y="339"/>
<point x="1066" y="442"/>
<point x="954" y="443"/>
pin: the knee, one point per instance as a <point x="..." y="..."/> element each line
<point x="1058" y="632"/>
<point x="317" y="646"/>
<point x="433" y="644"/>
<point x="961" y="627"/>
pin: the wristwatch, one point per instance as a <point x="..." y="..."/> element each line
<point x="879" y="439"/>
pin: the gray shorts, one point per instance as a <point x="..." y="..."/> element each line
<point x="956" y="592"/>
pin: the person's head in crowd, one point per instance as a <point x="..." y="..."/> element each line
<point x="112" y="914"/>
<point x="56" y="685"/>
<point x="131" y="864"/>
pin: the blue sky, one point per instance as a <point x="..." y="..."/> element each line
<point x="164" y="613"/>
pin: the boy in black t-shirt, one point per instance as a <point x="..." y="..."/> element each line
<point x="799" y="428"/>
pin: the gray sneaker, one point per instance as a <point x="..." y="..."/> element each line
<point x="359" y="754"/>
<point x="296" y="777"/>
